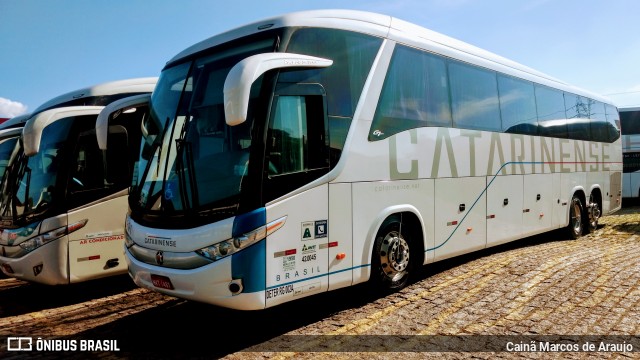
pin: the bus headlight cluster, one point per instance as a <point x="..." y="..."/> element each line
<point x="219" y="250"/>
<point x="37" y="241"/>
<point x="228" y="247"/>
<point x="128" y="241"/>
<point x="40" y="240"/>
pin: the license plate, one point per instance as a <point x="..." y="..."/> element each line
<point x="162" y="282"/>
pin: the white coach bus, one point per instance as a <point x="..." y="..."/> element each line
<point x="322" y="149"/>
<point x="630" y="124"/>
<point x="63" y="197"/>
<point x="10" y="131"/>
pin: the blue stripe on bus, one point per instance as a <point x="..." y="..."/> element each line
<point x="250" y="264"/>
<point x="494" y="177"/>
<point x="245" y="265"/>
<point x="249" y="221"/>
<point x="318" y="276"/>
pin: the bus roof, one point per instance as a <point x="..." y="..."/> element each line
<point x="11" y="132"/>
<point x="135" y="85"/>
<point x="394" y="29"/>
<point x="16" y="121"/>
<point x="624" y="109"/>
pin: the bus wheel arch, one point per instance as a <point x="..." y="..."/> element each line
<point x="398" y="251"/>
<point x="576" y="225"/>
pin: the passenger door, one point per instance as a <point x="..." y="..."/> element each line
<point x="98" y="190"/>
<point x="297" y="153"/>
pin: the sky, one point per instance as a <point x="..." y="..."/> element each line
<point x="48" y="48"/>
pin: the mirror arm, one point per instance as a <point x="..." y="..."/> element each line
<point x="237" y="85"/>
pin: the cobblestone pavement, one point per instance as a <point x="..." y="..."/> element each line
<point x="543" y="285"/>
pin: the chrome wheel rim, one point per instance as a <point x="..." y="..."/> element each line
<point x="394" y="256"/>
<point x="594" y="215"/>
<point x="576" y="218"/>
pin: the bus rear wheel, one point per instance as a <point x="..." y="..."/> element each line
<point x="594" y="214"/>
<point x="392" y="259"/>
<point x="576" y="225"/>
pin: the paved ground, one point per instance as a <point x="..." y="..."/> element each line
<point x="518" y="293"/>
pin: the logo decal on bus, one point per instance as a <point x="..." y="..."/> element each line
<point x="308" y="249"/>
<point x="307" y="230"/>
<point x="160" y="257"/>
<point x="312" y="230"/>
<point x="321" y="228"/>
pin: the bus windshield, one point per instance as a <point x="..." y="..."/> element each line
<point x="194" y="161"/>
<point x="28" y="188"/>
<point x="7" y="146"/>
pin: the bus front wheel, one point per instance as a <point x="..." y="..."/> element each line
<point x="392" y="258"/>
<point x="576" y="225"/>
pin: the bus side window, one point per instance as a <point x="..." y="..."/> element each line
<point x="613" y="119"/>
<point x="117" y="159"/>
<point x="98" y="173"/>
<point x="88" y="173"/>
<point x="297" y="149"/>
<point x="517" y="106"/>
<point x="599" y="125"/>
<point x="415" y="94"/>
<point x="474" y="97"/>
<point x="297" y="136"/>
<point x="551" y="112"/>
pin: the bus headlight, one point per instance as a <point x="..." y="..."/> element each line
<point x="37" y="241"/>
<point x="128" y="241"/>
<point x="228" y="247"/>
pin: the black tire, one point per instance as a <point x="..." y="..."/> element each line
<point x="393" y="261"/>
<point x="576" y="224"/>
<point x="593" y="214"/>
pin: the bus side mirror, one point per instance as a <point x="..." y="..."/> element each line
<point x="102" y="123"/>
<point x="237" y="85"/>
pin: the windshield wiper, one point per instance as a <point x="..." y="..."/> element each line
<point x="182" y="184"/>
<point x="10" y="181"/>
<point x="27" y="170"/>
<point x="184" y="147"/>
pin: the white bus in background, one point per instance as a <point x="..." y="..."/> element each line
<point x="630" y="124"/>
<point x="64" y="194"/>
<point x="15" y="122"/>
<point x="322" y="149"/>
<point x="10" y="131"/>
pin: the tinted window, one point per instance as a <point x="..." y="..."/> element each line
<point x="297" y="138"/>
<point x="599" y="125"/>
<point x="296" y="149"/>
<point x="517" y="105"/>
<point x="613" y="118"/>
<point x="577" y="109"/>
<point x="630" y="162"/>
<point x="630" y="121"/>
<point x="415" y="94"/>
<point x="6" y="148"/>
<point x="474" y="98"/>
<point x="352" y="56"/>
<point x="96" y="173"/>
<point x="551" y="115"/>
